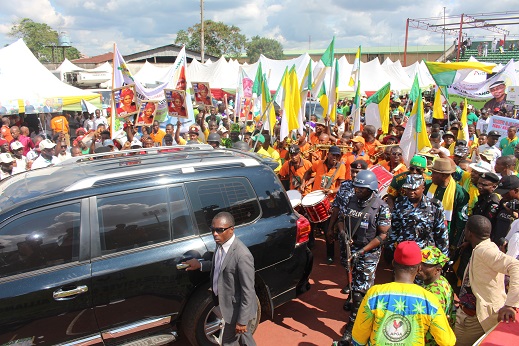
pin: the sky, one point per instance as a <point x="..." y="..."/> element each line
<point x="136" y="25"/>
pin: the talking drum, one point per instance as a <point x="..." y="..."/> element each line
<point x="384" y="178"/>
<point x="295" y="200"/>
<point x="317" y="206"/>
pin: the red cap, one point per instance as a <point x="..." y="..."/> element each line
<point x="408" y="253"/>
<point x="496" y="109"/>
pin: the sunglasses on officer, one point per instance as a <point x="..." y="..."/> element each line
<point x="416" y="169"/>
<point x="219" y="229"/>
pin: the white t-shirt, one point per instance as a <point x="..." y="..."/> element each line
<point x="21" y="164"/>
<point x="41" y="162"/>
<point x="65" y="157"/>
<point x="495" y="151"/>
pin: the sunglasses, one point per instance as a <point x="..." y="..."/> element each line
<point x="416" y="169"/>
<point x="219" y="229"/>
<point x="396" y="154"/>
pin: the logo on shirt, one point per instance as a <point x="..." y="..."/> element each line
<point x="396" y="328"/>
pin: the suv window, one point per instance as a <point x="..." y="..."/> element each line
<point x="39" y="240"/>
<point x="210" y="197"/>
<point x="132" y="220"/>
<point x="180" y="217"/>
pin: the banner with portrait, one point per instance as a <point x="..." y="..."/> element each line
<point x="33" y="106"/>
<point x="53" y="105"/>
<point x="126" y="102"/>
<point x="202" y="93"/>
<point x="147" y="112"/>
<point x="8" y="107"/>
<point x="481" y="91"/>
<point x="176" y="100"/>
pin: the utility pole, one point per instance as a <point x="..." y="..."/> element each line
<point x="202" y="29"/>
<point x="444" y="57"/>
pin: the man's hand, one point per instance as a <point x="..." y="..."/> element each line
<point x="240" y="328"/>
<point x="506" y="314"/>
<point x="194" y="264"/>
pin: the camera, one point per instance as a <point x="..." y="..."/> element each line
<point x="513" y="205"/>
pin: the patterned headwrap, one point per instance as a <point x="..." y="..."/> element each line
<point x="433" y="255"/>
<point x="235" y="128"/>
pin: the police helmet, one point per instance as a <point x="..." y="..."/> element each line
<point x="366" y="179"/>
<point x="213" y="137"/>
<point x="240" y="145"/>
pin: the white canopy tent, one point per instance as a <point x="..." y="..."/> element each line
<point x="23" y="77"/>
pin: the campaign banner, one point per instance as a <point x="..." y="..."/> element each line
<point x="501" y="124"/>
<point x="481" y="91"/>
<point x="176" y="102"/>
<point x="175" y="79"/>
<point x="9" y="107"/>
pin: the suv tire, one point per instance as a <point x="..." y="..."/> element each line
<point x="201" y="322"/>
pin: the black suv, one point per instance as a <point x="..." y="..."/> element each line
<point x="89" y="248"/>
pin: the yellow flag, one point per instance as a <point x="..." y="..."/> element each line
<point x="437" y="106"/>
<point x="463" y="133"/>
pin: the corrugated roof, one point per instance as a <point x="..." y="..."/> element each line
<point x="98" y="59"/>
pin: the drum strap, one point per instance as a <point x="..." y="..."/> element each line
<point x="330" y="182"/>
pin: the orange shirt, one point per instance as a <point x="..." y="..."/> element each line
<point x="314" y="138"/>
<point x="59" y="124"/>
<point x="402" y="168"/>
<point x="320" y="169"/>
<point x="6" y="133"/>
<point x="348" y="158"/>
<point x="283" y="154"/>
<point x="158" y="137"/>
<point x="371" y="148"/>
<point x="295" y="173"/>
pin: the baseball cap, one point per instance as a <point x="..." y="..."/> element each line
<point x="507" y="183"/>
<point x="259" y="137"/>
<point x="413" y="181"/>
<point x="418" y="161"/>
<point x="496" y="110"/>
<point x="46" y="144"/>
<point x="408" y="253"/>
<point x="358" y="139"/>
<point x="481" y="167"/>
<point x="335" y="150"/>
<point x="433" y="255"/>
<point x="136" y="143"/>
<point x="294" y="149"/>
<point x="6" y="158"/>
<point x="494" y="133"/>
<point x="16" y="145"/>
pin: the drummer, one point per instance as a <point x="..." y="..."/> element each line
<point x="329" y="174"/>
<point x="294" y="169"/>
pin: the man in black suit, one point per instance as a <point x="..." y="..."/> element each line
<point x="232" y="278"/>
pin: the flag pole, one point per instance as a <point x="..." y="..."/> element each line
<point x="112" y="99"/>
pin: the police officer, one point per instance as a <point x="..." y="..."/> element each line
<point x="419" y="218"/>
<point x="367" y="219"/>
<point x="339" y="206"/>
<point x="488" y="201"/>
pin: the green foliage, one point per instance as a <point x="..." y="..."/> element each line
<point x="219" y="39"/>
<point x="261" y="45"/>
<point x="37" y="37"/>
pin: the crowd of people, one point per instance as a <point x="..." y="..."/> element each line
<point x="452" y="208"/>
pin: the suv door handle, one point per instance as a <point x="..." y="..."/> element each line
<point x="61" y="294"/>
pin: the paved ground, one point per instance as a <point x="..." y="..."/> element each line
<point x="317" y="317"/>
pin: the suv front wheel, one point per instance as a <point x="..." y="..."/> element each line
<point x="202" y="321"/>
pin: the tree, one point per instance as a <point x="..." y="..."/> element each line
<point x="261" y="45"/>
<point x="219" y="39"/>
<point x="38" y="37"/>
